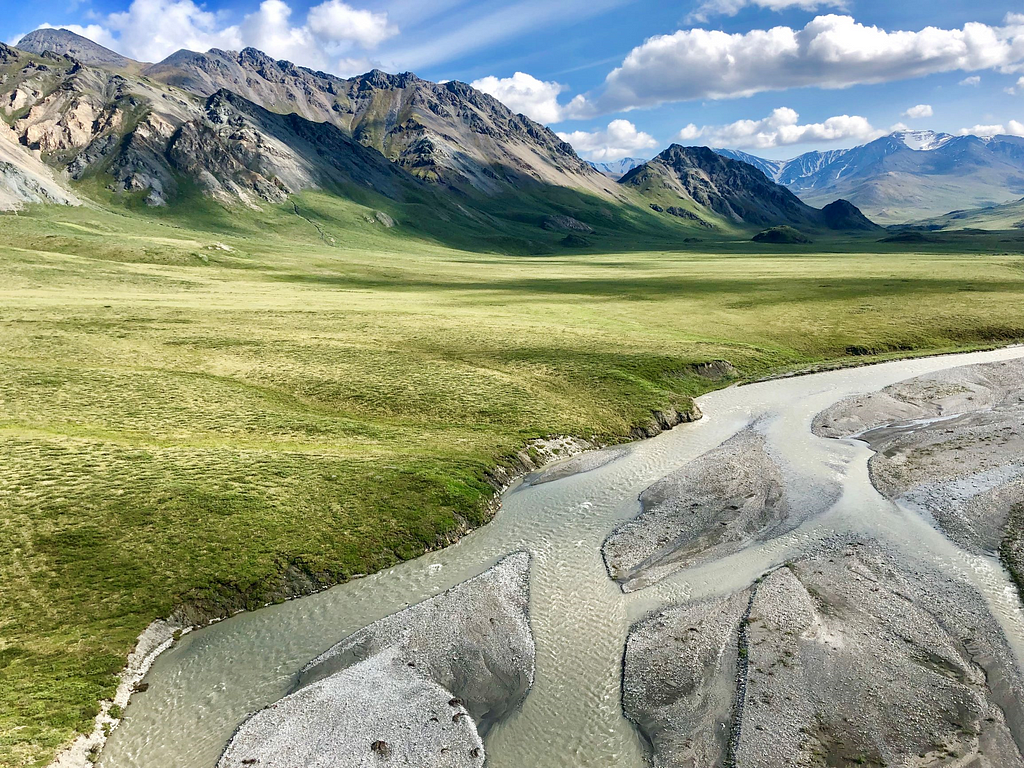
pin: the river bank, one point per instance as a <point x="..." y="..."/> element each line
<point x="573" y="602"/>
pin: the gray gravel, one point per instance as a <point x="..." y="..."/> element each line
<point x="679" y="680"/>
<point x="417" y="688"/>
<point x="854" y="658"/>
<point x="950" y="444"/>
<point x="712" y="507"/>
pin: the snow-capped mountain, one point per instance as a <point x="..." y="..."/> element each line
<point x="922" y="141"/>
<point x="618" y="168"/>
<point x="906" y="175"/>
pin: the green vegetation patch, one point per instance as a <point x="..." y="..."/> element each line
<point x="195" y="409"/>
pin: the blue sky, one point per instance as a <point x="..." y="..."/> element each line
<point x="616" y="77"/>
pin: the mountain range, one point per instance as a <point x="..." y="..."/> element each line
<point x="905" y="176"/>
<point x="618" y="168"/>
<point x="240" y="128"/>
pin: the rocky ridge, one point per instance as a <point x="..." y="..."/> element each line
<point x="733" y="191"/>
<point x="448" y="133"/>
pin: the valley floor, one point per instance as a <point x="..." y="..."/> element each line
<point x="208" y="419"/>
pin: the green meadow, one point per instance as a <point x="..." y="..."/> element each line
<point x="193" y="408"/>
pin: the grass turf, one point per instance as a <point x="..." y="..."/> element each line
<point x="188" y="410"/>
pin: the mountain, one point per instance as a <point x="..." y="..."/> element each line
<point x="906" y="175"/>
<point x="844" y="215"/>
<point x="732" y="191"/>
<point x="997" y="217"/>
<point x="616" y="170"/>
<point x="64" y="42"/>
<point x="447" y="133"/>
<point x="243" y="128"/>
<point x="770" y="168"/>
<point x="86" y="119"/>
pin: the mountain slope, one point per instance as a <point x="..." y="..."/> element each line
<point x="64" y="42"/>
<point x="731" y="191"/>
<point x="998" y="217"/>
<point x="907" y="175"/>
<point x="447" y="133"/>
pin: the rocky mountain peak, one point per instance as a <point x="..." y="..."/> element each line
<point x="734" y="190"/>
<point x="64" y="42"/>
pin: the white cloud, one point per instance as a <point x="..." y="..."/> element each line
<point x="973" y="81"/>
<point x="620" y="139"/>
<point x="337" y="21"/>
<point x="921" y="110"/>
<point x="1012" y="128"/>
<point x="831" y="51"/>
<point x="781" y="128"/>
<point x="1013" y="90"/>
<point x="537" y="99"/>
<point x="732" y="7"/>
<point x="269" y="30"/>
<point x="151" y="30"/>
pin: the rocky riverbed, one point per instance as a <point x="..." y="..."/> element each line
<point x="714" y="506"/>
<point x="417" y="688"/>
<point x="951" y="445"/>
<point x="849" y="656"/>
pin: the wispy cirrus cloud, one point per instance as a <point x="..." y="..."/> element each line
<point x="711" y="8"/>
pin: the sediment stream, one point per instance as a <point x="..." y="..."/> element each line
<point x="213" y="679"/>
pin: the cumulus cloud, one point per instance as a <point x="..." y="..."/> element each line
<point x="973" y="80"/>
<point x="781" y="128"/>
<point x="1012" y="128"/>
<point x="537" y="99"/>
<point x="338" y="21"/>
<point x="732" y="7"/>
<point x="921" y="110"/>
<point x="620" y="139"/>
<point x="831" y="51"/>
<point x="153" y="29"/>
<point x="150" y="30"/>
<point x="1018" y="87"/>
<point x="269" y="30"/>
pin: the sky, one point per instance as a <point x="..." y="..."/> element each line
<point x="621" y="78"/>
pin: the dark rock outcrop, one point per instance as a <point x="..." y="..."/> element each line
<point x="781" y="235"/>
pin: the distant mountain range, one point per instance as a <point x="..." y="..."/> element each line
<point x="708" y="183"/>
<point x="241" y="128"/>
<point x="619" y="168"/>
<point x="905" y="176"/>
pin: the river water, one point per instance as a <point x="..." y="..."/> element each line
<point x="202" y="688"/>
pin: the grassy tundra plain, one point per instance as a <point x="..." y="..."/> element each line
<point x="190" y="410"/>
